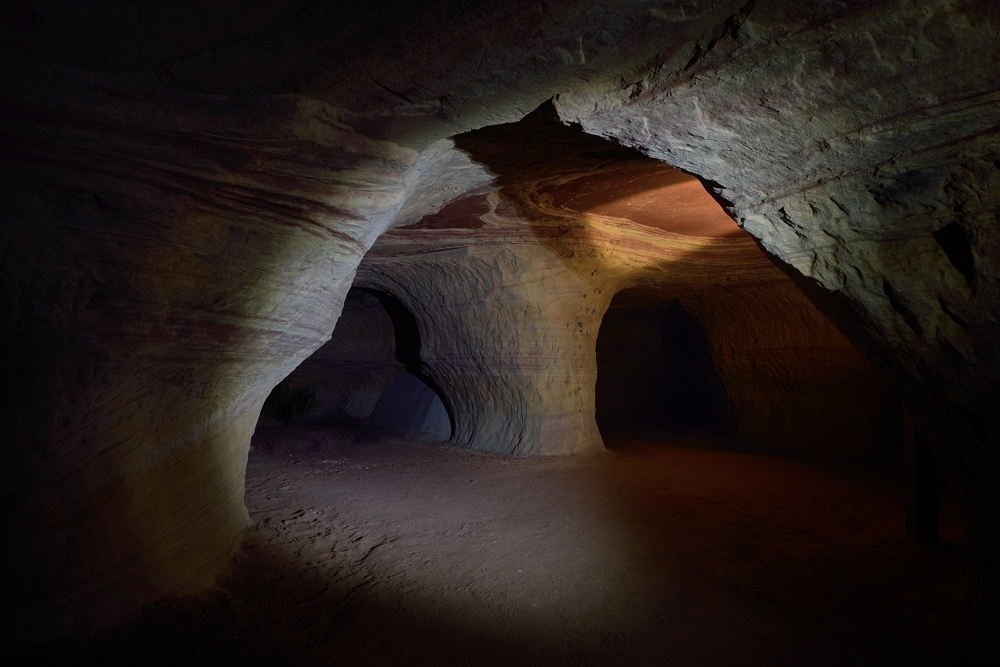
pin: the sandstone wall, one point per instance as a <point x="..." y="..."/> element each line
<point x="510" y="288"/>
<point x="163" y="268"/>
<point x="508" y="335"/>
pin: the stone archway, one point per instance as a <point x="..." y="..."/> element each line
<point x="655" y="370"/>
<point x="368" y="373"/>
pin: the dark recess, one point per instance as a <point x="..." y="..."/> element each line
<point x="954" y="240"/>
<point x="407" y="334"/>
<point x="691" y="393"/>
<point x="899" y="307"/>
<point x="285" y="405"/>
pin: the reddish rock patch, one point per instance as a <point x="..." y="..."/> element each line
<point x="655" y="196"/>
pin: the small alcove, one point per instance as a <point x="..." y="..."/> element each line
<point x="366" y="380"/>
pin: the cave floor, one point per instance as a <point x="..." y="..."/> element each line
<point x="392" y="553"/>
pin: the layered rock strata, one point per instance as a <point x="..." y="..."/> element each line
<point x="163" y="270"/>
<point x="510" y="288"/>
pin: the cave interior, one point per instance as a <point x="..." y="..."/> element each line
<point x="501" y="332"/>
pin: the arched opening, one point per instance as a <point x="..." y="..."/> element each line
<point x="705" y="340"/>
<point x="691" y="394"/>
<point x="179" y="181"/>
<point x="366" y="380"/>
<point x="656" y="374"/>
<point x="412" y="402"/>
<point x="752" y="368"/>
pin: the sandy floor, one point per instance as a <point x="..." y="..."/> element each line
<point x="393" y="553"/>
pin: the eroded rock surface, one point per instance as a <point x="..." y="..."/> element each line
<point x="865" y="160"/>
<point x="509" y="289"/>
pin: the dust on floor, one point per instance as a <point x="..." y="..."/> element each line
<point x="392" y="553"/>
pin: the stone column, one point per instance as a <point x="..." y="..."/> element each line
<point x="508" y="331"/>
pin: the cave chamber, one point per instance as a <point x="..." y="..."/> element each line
<point x="192" y="200"/>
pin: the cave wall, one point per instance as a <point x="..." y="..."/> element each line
<point x="802" y="387"/>
<point x="510" y="290"/>
<point x="152" y="298"/>
<point x="860" y="148"/>
<point x="507" y="332"/>
<point x="186" y="196"/>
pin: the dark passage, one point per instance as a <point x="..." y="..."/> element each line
<point x="656" y="374"/>
<point x="439" y="418"/>
<point x="368" y="374"/>
<point x="691" y="393"/>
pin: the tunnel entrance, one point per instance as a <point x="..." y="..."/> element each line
<point x="367" y="379"/>
<point x="656" y="375"/>
<point x="690" y="392"/>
